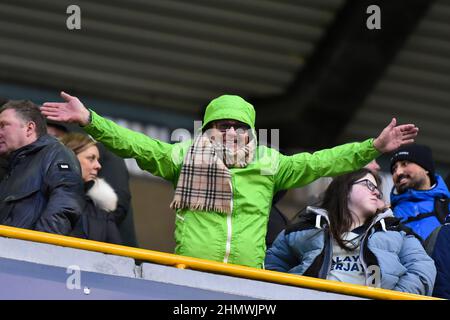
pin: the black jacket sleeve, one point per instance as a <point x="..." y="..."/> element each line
<point x="64" y="188"/>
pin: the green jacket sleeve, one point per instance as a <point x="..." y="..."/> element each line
<point x="303" y="168"/>
<point x="159" y="158"/>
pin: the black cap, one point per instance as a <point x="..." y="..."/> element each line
<point x="419" y="154"/>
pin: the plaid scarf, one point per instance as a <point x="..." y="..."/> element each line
<point x="205" y="181"/>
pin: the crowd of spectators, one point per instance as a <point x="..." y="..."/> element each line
<point x="226" y="193"/>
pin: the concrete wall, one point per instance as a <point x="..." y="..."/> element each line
<point x="42" y="253"/>
<point x="117" y="269"/>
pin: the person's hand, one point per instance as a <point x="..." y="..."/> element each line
<point x="72" y="111"/>
<point x="392" y="137"/>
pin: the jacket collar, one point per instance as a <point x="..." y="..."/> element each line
<point x="31" y="148"/>
<point x="439" y="190"/>
<point x="380" y="218"/>
<point x="319" y="212"/>
<point x="102" y="194"/>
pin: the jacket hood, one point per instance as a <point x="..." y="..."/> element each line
<point x="320" y="212"/>
<point x="380" y="218"/>
<point x="230" y="107"/>
<point x="439" y="190"/>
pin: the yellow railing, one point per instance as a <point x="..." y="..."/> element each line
<point x="183" y="262"/>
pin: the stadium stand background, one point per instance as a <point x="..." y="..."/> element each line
<point x="311" y="68"/>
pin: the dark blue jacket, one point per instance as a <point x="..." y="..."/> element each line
<point x="414" y="202"/>
<point x="440" y="252"/>
<point x="42" y="189"/>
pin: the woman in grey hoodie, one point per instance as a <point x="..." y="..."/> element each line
<point x="352" y="239"/>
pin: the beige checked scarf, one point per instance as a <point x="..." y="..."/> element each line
<point x="205" y="181"/>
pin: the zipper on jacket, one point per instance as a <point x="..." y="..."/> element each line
<point x="228" y="245"/>
<point x="361" y="257"/>
<point x="330" y="255"/>
<point x="362" y="244"/>
<point x="377" y="283"/>
<point x="229" y="227"/>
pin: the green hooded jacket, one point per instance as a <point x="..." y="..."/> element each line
<point x="239" y="237"/>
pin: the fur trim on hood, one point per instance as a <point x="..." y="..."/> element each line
<point x="103" y="195"/>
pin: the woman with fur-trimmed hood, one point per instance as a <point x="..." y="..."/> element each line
<point x="99" y="220"/>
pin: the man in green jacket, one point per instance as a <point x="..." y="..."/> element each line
<point x="224" y="182"/>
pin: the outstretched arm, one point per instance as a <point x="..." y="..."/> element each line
<point x="303" y="168"/>
<point x="158" y="157"/>
<point x="71" y="111"/>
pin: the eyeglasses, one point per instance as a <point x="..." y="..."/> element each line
<point x="369" y="184"/>
<point x="223" y="126"/>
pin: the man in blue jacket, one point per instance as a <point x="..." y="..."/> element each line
<point x="420" y="198"/>
<point x="418" y="192"/>
<point x="42" y="189"/>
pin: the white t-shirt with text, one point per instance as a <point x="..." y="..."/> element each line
<point x="346" y="266"/>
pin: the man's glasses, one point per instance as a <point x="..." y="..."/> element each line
<point x="369" y="184"/>
<point x="223" y="126"/>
